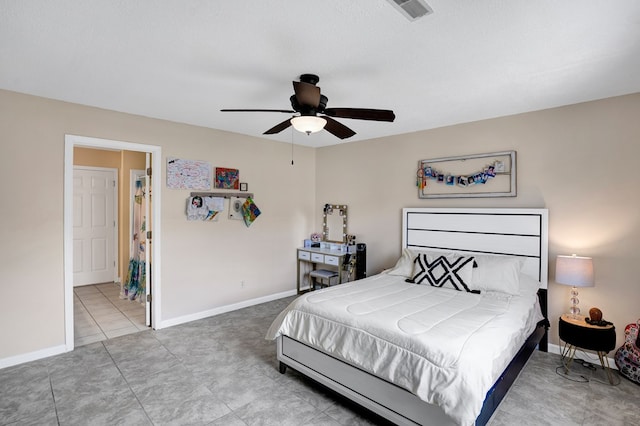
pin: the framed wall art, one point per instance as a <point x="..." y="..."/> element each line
<point x="480" y="175"/>
<point x="227" y="178"/>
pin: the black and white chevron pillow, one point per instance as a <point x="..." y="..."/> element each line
<point x="443" y="271"/>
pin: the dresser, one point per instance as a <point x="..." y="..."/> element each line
<point x="321" y="258"/>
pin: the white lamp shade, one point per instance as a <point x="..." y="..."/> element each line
<point x="575" y="270"/>
<point x="308" y="123"/>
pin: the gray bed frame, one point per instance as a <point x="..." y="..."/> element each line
<point x="510" y="232"/>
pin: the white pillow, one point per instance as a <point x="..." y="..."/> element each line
<point x="404" y="265"/>
<point x="497" y="273"/>
<point x="528" y="285"/>
<point x="447" y="271"/>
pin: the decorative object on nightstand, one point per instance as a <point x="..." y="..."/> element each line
<point x="577" y="333"/>
<point x="595" y="314"/>
<point x="576" y="271"/>
<point x="595" y="318"/>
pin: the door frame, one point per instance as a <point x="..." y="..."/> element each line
<point x="116" y="266"/>
<point x="70" y="142"/>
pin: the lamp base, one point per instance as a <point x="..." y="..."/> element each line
<point x="574" y="310"/>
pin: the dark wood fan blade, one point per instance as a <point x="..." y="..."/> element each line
<point x="338" y="129"/>
<point x="307" y="94"/>
<point x="278" y="127"/>
<point x="361" y="113"/>
<point x="258" y="110"/>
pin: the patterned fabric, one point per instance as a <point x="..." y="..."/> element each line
<point x="627" y="357"/>
<point x="443" y="271"/>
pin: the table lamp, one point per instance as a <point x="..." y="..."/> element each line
<point x="575" y="271"/>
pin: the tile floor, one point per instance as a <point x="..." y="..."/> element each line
<point x="220" y="371"/>
<point x="100" y="314"/>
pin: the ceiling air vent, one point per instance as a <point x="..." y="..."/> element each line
<point x="412" y="9"/>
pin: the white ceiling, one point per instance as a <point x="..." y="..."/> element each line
<point x="185" y="60"/>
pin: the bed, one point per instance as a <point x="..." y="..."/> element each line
<point x="440" y="354"/>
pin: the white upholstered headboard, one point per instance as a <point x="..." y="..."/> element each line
<point x="507" y="232"/>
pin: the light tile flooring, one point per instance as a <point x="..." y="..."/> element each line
<point x="100" y="314"/>
<point x="220" y="371"/>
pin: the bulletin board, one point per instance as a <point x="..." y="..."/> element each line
<point x="188" y="174"/>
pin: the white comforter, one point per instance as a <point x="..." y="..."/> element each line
<point x="445" y="346"/>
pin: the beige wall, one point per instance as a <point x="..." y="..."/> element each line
<point x="579" y="161"/>
<point x="203" y="263"/>
<point x="97" y="158"/>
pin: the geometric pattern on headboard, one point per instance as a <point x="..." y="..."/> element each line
<point x="522" y="233"/>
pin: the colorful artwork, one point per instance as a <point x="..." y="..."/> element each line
<point x="250" y="212"/>
<point x="188" y="174"/>
<point x="227" y="178"/>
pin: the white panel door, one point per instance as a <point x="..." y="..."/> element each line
<point x="94" y="225"/>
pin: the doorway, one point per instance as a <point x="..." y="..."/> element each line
<point x="153" y="154"/>
<point x="95" y="225"/>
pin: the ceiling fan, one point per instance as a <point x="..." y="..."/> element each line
<point x="309" y="102"/>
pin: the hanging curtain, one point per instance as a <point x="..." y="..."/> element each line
<point x="134" y="286"/>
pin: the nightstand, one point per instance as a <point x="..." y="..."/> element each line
<point x="577" y="333"/>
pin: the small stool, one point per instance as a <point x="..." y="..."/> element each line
<point x="322" y="274"/>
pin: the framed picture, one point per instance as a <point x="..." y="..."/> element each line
<point x="244" y="187"/>
<point x="227" y="178"/>
<point x="469" y="176"/>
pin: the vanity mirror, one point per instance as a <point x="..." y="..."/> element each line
<point x="334" y="223"/>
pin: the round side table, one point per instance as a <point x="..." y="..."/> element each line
<point x="577" y="333"/>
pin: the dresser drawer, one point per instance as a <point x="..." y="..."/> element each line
<point x="304" y="255"/>
<point x="317" y="257"/>
<point x="332" y="260"/>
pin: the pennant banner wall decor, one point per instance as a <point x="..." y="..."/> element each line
<point x="480" y="175"/>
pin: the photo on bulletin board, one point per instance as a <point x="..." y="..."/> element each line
<point x="227" y="178"/>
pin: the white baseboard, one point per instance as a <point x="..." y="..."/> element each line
<point x="56" y="350"/>
<point x="590" y="356"/>
<point x="223" y="309"/>
<point x="32" y="356"/>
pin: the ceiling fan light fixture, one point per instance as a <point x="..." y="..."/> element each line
<point x="308" y="123"/>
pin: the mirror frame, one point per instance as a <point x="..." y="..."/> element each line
<point x="330" y="209"/>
